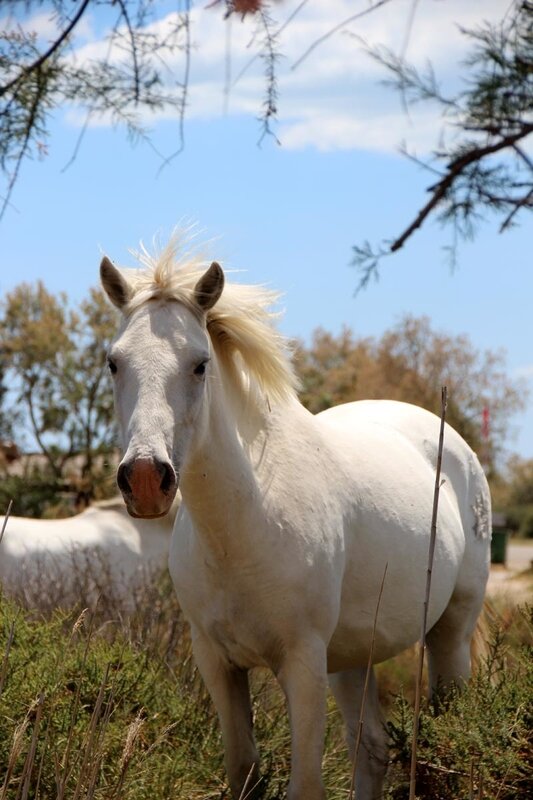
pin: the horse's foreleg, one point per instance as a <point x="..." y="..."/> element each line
<point x="303" y="679"/>
<point x="229" y="690"/>
<point x="371" y="766"/>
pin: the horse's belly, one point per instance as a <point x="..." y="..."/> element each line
<point x="351" y="644"/>
<point x="387" y="566"/>
<point x="389" y="596"/>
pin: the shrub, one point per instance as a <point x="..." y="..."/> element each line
<point x="30" y="494"/>
<point x="83" y="715"/>
<point x="480" y="744"/>
<point x="100" y="708"/>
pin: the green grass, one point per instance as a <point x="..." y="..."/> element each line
<point x="90" y="708"/>
<point x="480" y="743"/>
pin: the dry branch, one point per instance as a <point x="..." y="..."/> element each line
<point x="432" y="540"/>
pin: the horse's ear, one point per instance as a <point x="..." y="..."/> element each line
<point x="209" y="288"/>
<point x="114" y="283"/>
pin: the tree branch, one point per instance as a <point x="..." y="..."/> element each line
<point x="51" y="50"/>
<point x="24" y="148"/>
<point x="527" y="200"/>
<point x="136" y="71"/>
<point x="37" y="433"/>
<point x="455" y="169"/>
<point x="337" y="28"/>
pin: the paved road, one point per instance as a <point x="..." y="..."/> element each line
<point x="503" y="577"/>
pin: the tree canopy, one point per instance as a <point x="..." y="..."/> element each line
<point x="411" y="362"/>
<point x="59" y="399"/>
<point x="483" y="167"/>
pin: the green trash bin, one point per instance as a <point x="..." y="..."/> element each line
<point x="498" y="544"/>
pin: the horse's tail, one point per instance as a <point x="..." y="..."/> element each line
<point x="480" y="643"/>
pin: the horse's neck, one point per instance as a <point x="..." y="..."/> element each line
<point x="220" y="485"/>
<point x="220" y="467"/>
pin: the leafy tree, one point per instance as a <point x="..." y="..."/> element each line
<point x="513" y="495"/>
<point x="128" y="77"/>
<point x="520" y="481"/>
<point x="35" y="339"/>
<point x="493" y="115"/>
<point x="484" y="168"/>
<point x="55" y="360"/>
<point x="410" y="363"/>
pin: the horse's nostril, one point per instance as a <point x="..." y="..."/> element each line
<point x="122" y="478"/>
<point x="168" y="477"/>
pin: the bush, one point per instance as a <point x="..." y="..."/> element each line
<point x="31" y="495"/>
<point x="99" y="710"/>
<point x="85" y="716"/>
<point x="480" y="744"/>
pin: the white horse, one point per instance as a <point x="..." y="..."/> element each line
<point x="49" y="562"/>
<point x="288" y="519"/>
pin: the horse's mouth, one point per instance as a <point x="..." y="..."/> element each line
<point x="151" y="510"/>
<point x="135" y="515"/>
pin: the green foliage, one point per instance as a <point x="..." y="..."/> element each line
<point x="520" y="520"/>
<point x="90" y="708"/>
<point x="81" y="715"/>
<point x="31" y="495"/>
<point x="520" y="481"/>
<point x="54" y="358"/>
<point x="484" y="167"/>
<point x="526" y="527"/>
<point x="513" y="495"/>
<point x="479" y="743"/>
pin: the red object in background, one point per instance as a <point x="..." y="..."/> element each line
<point x="242" y="7"/>
<point x="485" y="425"/>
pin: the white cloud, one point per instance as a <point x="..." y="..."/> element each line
<point x="41" y="24"/>
<point x="45" y="26"/>
<point x="383" y="132"/>
<point x="333" y="99"/>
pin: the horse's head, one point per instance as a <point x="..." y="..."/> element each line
<point x="158" y="362"/>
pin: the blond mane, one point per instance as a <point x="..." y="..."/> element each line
<point x="254" y="356"/>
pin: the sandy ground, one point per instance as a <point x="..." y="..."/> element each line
<point x="515" y="577"/>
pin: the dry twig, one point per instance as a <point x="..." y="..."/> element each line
<point x="432" y="540"/>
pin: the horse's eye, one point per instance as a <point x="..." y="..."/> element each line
<point x="200" y="369"/>
<point x="112" y="366"/>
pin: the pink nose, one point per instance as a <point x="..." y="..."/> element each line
<point x="148" y="486"/>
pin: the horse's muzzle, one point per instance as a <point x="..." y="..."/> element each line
<point x="148" y="486"/>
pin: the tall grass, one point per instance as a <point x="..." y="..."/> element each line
<point x="94" y="705"/>
<point x="479" y="743"/>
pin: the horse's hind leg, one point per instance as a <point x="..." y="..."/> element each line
<point x="449" y="640"/>
<point x="372" y="756"/>
<point x="229" y="690"/>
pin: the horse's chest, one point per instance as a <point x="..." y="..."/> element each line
<point x="233" y="611"/>
<point x="237" y="626"/>
<point x="237" y="642"/>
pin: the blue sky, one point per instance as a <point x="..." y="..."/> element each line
<point x="285" y="215"/>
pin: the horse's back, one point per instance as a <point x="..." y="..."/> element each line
<point x="92" y="528"/>
<point x="413" y="430"/>
<point x="100" y="544"/>
<point x="420" y="429"/>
